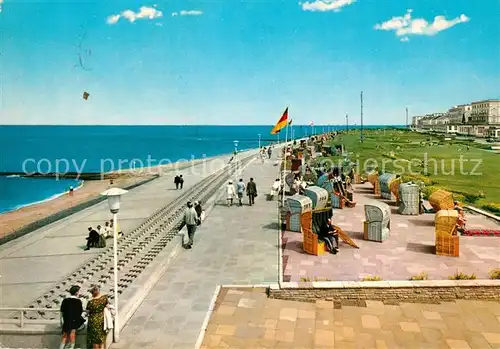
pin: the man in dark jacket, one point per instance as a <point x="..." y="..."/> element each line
<point x="92" y="239"/>
<point x="177" y="182"/>
<point x="251" y="192"/>
<point x="199" y="210"/>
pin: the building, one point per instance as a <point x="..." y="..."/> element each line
<point x="478" y="119"/>
<point x="485" y="112"/>
<point x="460" y="114"/>
<point x="415" y="120"/>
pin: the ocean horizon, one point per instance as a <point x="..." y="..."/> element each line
<point x="106" y="148"/>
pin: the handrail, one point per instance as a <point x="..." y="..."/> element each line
<point x="29" y="309"/>
<point x="22" y="311"/>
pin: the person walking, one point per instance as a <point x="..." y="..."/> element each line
<point x="176" y="181"/>
<point x="199" y="212"/>
<point x="181" y="181"/>
<point x="269" y="152"/>
<point x="71" y="316"/>
<point x="191" y="221"/>
<point x="96" y="332"/>
<point x="71" y="190"/>
<point x="251" y="191"/>
<point x="231" y="193"/>
<point x="240" y="190"/>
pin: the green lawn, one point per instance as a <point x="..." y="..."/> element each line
<point x="472" y="174"/>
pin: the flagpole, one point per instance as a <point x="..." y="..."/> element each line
<point x="286" y="160"/>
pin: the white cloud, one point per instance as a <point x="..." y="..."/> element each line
<point x="113" y="19"/>
<point x="406" y="25"/>
<point x="326" y="5"/>
<point x="143" y="13"/>
<point x="187" y="13"/>
<point x="191" y="13"/>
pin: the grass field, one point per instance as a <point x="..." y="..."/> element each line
<point x="468" y="170"/>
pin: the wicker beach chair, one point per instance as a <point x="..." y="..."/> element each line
<point x="447" y="239"/>
<point x="373" y="179"/>
<point x="310" y="241"/>
<point x="409" y="199"/>
<point x="318" y="196"/>
<point x="299" y="212"/>
<point x="377" y="224"/>
<point x="395" y="188"/>
<point x="441" y="200"/>
<point x="386" y="180"/>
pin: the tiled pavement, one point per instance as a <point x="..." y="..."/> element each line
<point x="235" y="245"/>
<point x="246" y="319"/>
<point x="407" y="252"/>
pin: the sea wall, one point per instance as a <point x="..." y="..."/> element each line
<point x="389" y="291"/>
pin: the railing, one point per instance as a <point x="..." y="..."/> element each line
<point x="22" y="316"/>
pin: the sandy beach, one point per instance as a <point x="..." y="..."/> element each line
<point x="15" y="220"/>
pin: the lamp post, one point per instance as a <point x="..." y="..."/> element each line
<point x="114" y="195"/>
<point x="259" y="139"/>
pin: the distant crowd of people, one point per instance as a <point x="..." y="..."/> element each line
<point x="97" y="237"/>
<point x="265" y="153"/>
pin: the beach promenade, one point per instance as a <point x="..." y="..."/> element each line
<point x="248" y="319"/>
<point x="235" y="245"/>
<point x="32" y="264"/>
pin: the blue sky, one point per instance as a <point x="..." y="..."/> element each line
<point x="243" y="62"/>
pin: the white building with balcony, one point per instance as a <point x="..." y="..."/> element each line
<point x="485" y="112"/>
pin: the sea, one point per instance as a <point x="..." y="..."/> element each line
<point x="84" y="149"/>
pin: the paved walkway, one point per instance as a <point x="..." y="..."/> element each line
<point x="235" y="245"/>
<point x="249" y="320"/>
<point x="30" y="265"/>
<point x="408" y="251"/>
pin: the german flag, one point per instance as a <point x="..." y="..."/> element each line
<point x="282" y="123"/>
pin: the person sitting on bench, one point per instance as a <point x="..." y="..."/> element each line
<point x="275" y="189"/>
<point x="330" y="237"/>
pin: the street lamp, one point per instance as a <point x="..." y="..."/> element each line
<point x="114" y="195"/>
<point x="259" y="139"/>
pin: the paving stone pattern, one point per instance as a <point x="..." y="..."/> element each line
<point x="249" y="319"/>
<point x="408" y="251"/>
<point x="235" y="245"/>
